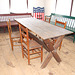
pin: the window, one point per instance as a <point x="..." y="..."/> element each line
<point x="63" y="7"/>
<point x="4" y="7"/>
<point x="18" y="6"/>
<point x="73" y="9"/>
<point x="13" y="6"/>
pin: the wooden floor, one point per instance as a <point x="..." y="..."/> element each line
<point x="12" y="63"/>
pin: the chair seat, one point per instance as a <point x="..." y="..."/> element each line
<point x="15" y="34"/>
<point x="32" y="44"/>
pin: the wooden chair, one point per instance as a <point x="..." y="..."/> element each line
<point x="30" y="48"/>
<point x="53" y="50"/>
<point x="47" y="19"/>
<point x="63" y="26"/>
<point x="14" y="36"/>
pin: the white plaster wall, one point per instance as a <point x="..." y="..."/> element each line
<point x="49" y="6"/>
<point x="34" y="3"/>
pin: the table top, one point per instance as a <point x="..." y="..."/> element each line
<point x="43" y="29"/>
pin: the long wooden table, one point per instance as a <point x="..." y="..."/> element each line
<point x="45" y="31"/>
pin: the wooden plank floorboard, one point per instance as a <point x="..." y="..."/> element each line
<point x="12" y="63"/>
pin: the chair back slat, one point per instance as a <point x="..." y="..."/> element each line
<point x="24" y="41"/>
<point x="60" y="24"/>
<point x="47" y="19"/>
<point x="57" y="43"/>
<point x="23" y="34"/>
<point x="23" y="29"/>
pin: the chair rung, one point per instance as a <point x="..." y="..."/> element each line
<point x="14" y="37"/>
<point x="38" y="53"/>
<point x="16" y="41"/>
<point x="35" y="57"/>
<point x="46" y="21"/>
<point x="35" y="53"/>
<point x="24" y="41"/>
<point x="25" y="56"/>
<point x="38" y="49"/>
<point x="35" y="48"/>
<point x="16" y="45"/>
<point x="23" y="34"/>
<point x="25" y="52"/>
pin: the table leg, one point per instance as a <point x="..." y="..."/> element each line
<point x="46" y="61"/>
<point x="49" y="45"/>
<point x="56" y="56"/>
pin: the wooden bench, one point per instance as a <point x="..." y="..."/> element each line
<point x="5" y="17"/>
<point x="63" y="18"/>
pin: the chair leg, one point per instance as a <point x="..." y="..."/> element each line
<point x="22" y="52"/>
<point x="28" y="58"/>
<point x="60" y="45"/>
<point x="11" y="44"/>
<point x="41" y="54"/>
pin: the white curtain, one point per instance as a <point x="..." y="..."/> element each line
<point x="4" y="7"/>
<point x="63" y="7"/>
<point x="18" y="6"/>
<point x="73" y="9"/>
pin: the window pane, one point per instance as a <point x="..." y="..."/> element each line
<point x="63" y="7"/>
<point x="18" y="6"/>
<point x="73" y="9"/>
<point x="4" y="7"/>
